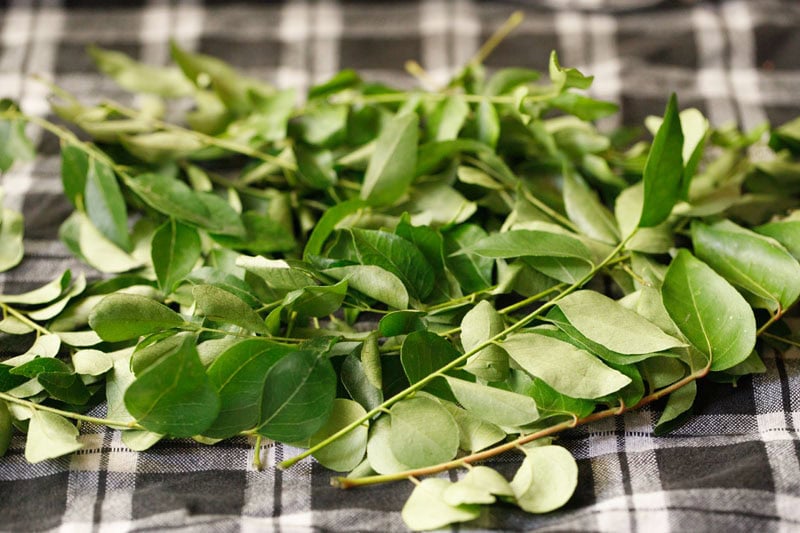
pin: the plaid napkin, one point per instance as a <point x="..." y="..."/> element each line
<point x="734" y="466"/>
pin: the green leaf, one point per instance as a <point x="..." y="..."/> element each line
<point x="175" y="199"/>
<point x="65" y="386"/>
<point x="379" y="450"/>
<point x="587" y="212"/>
<point x="327" y="223"/>
<point x="505" y="80"/>
<point x="50" y="436"/>
<point x="480" y="324"/>
<point x="174" y="396"/>
<point x="41" y="295"/>
<point x="138" y="77"/>
<point x="175" y="251"/>
<point x="566" y="78"/>
<point x="345" y="453"/>
<point x="488" y="123"/>
<point x="87" y="243"/>
<point x="712" y="315"/>
<point x="105" y="205"/>
<point x="678" y="403"/>
<point x="423" y="432"/>
<point x="162" y="146"/>
<point x="473" y="272"/>
<point x="583" y="107"/>
<point x="569" y="370"/>
<point x="315" y="166"/>
<point x="6" y="428"/>
<point x="423" y="352"/>
<point x="757" y="264"/>
<point x="427" y="509"/>
<point x="474" y="433"/>
<point x="12" y="227"/>
<point x="92" y="362"/>
<point x="120" y="317"/>
<point x="298" y="397"/>
<point x="401" y="323"/>
<point x="223" y="306"/>
<point x="786" y="232"/>
<point x="396" y="255"/>
<point x="478" y="486"/>
<point x="557" y="255"/>
<point x="371" y="360"/>
<point x="316" y="301"/>
<point x="663" y="171"/>
<point x="606" y="322"/>
<point x="358" y="384"/>
<point x="374" y="282"/>
<point x="546" y="479"/>
<point x="239" y="375"/>
<point x="45" y="346"/>
<point x="14" y="144"/>
<point x="447" y="118"/>
<point x="493" y="405"/>
<point x="392" y="165"/>
<point x="552" y="403"/>
<point x="277" y="273"/>
<point x="656" y="240"/>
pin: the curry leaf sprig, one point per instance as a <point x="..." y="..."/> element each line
<point x="400" y="282"/>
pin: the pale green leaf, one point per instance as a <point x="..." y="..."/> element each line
<point x="423" y="432"/>
<point x="479" y="485"/>
<point x="497" y="406"/>
<point x="606" y="322"/>
<point x="569" y="370"/>
<point x="480" y="324"/>
<point x="426" y="508"/>
<point x="345" y="453"/>
<point x="373" y="281"/>
<point x="91" y="362"/>
<point x="50" y="436"/>
<point x="474" y="433"/>
<point x="121" y="317"/>
<point x="379" y="450"/>
<point x="546" y="479"/>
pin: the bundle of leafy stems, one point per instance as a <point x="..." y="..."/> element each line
<point x="331" y="275"/>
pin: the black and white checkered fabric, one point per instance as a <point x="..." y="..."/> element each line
<point x="734" y="467"/>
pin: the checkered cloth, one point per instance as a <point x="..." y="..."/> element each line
<point x="733" y="467"/>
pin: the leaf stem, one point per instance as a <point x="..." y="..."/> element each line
<point x="8" y="310"/>
<point x="346" y="483"/>
<point x="68" y="414"/>
<point x="456" y="362"/>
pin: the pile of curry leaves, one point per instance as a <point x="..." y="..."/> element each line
<point x="401" y="282"/>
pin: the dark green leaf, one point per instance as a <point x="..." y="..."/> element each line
<point x="315" y="166"/>
<point x="175" y="251"/>
<point x="238" y="375"/>
<point x="316" y="301"/>
<point x="423" y="353"/>
<point x="358" y="384"/>
<point x="473" y="271"/>
<point x="327" y="223"/>
<point x="396" y="255"/>
<point x="664" y="169"/>
<point x="401" y="323"/>
<point x="298" y="397"/>
<point x="74" y="169"/>
<point x="105" y="205"/>
<point x="174" y="396"/>
<point x="6" y="428"/>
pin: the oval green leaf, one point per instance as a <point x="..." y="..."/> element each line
<point x="546" y="479"/>
<point x="712" y="315"/>
<point x="119" y="317"/>
<point x="423" y="432"/>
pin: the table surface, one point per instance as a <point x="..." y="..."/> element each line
<point x="734" y="466"/>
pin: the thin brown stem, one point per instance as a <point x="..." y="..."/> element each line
<point x="346" y="483"/>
